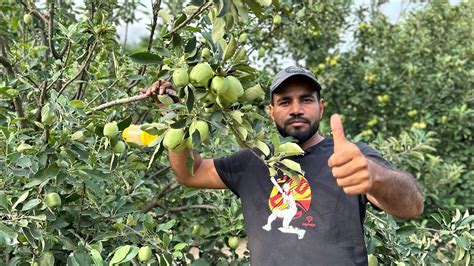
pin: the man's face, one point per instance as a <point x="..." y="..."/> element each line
<point x="296" y="110"/>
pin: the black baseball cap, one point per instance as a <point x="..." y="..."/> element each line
<point x="292" y="71"/>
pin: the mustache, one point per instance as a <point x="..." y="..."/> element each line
<point x="297" y="118"/>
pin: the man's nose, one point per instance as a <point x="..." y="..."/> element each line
<point x="296" y="109"/>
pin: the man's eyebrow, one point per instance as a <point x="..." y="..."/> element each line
<point x="283" y="98"/>
<point x="305" y="95"/>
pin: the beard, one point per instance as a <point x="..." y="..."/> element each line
<point x="298" y="133"/>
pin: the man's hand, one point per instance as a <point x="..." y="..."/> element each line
<point x="160" y="87"/>
<point x="349" y="166"/>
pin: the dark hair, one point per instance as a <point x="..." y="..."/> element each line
<point x="292" y="79"/>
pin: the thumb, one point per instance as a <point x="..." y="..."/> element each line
<point x="337" y="130"/>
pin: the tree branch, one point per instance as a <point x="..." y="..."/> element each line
<point x="156" y="9"/>
<point x="156" y="200"/>
<point x="119" y="101"/>
<point x="201" y="9"/>
<point x="17" y="102"/>
<point x="7" y="65"/>
<point x="34" y="11"/>
<point x="124" y="100"/>
<point x="83" y="68"/>
<point x="50" y="32"/>
<point x="41" y="100"/>
<point x="196" y="206"/>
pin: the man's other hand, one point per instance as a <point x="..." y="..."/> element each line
<point x="160" y="87"/>
<point x="349" y="166"/>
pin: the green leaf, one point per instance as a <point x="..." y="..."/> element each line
<point x="166" y="226"/>
<point x="120" y="254"/>
<point x="224" y="8"/>
<point x="265" y="2"/>
<point x="166" y="240"/>
<point x="125" y="123"/>
<point x="96" y="257"/>
<point x="21" y="198"/>
<point x="31" y="204"/>
<point x="189" y="99"/>
<point x="146" y="58"/>
<point x="255" y="7"/>
<point x="7" y="235"/>
<point x="79" y="258"/>
<point x="467" y="220"/>
<point x="190" y="46"/>
<point x="292" y="165"/>
<point x="263" y="148"/>
<point x="462" y="242"/>
<point x="272" y="171"/>
<point x="165" y="99"/>
<point x="180" y="246"/>
<point x="290" y="149"/>
<point x="77" y="103"/>
<point x="46" y="259"/>
<point x="406" y="230"/>
<point x="131" y="254"/>
<point x="237" y="116"/>
<point x="4" y="202"/>
<point x="180" y="20"/>
<point x="218" y="29"/>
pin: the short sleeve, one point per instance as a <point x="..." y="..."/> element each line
<point x="373" y="154"/>
<point x="231" y="169"/>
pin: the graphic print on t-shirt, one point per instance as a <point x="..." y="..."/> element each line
<point x="288" y="201"/>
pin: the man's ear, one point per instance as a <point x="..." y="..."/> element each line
<point x="270" y="111"/>
<point x="321" y="108"/>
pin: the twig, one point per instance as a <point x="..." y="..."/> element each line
<point x="41" y="100"/>
<point x="100" y="93"/>
<point x="156" y="9"/>
<point x="201" y="9"/>
<point x="140" y="235"/>
<point x="82" y="205"/>
<point x="7" y="65"/>
<point x="50" y="32"/>
<point x="155" y="201"/>
<point x="17" y="102"/>
<point x="196" y="206"/>
<point x="119" y="101"/>
<point x="142" y="70"/>
<point x="159" y="172"/>
<point x="124" y="100"/>
<point x="83" y="68"/>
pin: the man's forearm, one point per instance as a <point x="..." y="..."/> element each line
<point x="394" y="191"/>
<point x="178" y="162"/>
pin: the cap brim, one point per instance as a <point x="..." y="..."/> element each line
<point x="309" y="78"/>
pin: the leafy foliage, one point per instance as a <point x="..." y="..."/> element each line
<point x="64" y="76"/>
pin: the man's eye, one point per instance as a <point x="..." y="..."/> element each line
<point x="308" y="100"/>
<point x="283" y="102"/>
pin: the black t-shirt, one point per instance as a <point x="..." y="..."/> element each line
<point x="310" y="223"/>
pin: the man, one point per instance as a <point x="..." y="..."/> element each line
<point x="340" y="177"/>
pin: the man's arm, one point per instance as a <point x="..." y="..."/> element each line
<point x="393" y="191"/>
<point x="205" y="173"/>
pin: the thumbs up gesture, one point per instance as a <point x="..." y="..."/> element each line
<point x="349" y="166"/>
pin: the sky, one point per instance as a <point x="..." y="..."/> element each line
<point x="394" y="10"/>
